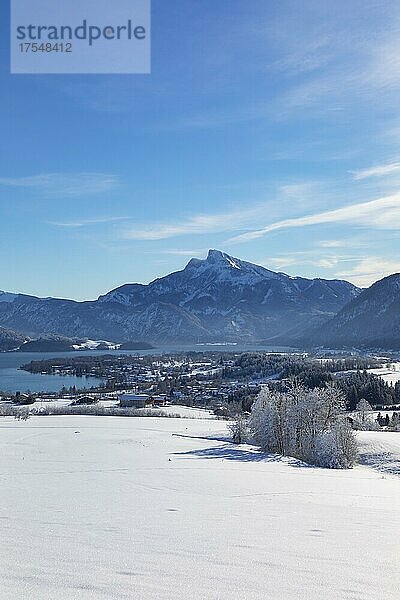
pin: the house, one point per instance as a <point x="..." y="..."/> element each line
<point x="133" y="400"/>
<point x="159" y="400"/>
<point x="23" y="399"/>
<point x="84" y="400"/>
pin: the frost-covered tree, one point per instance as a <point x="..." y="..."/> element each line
<point x="20" y="414"/>
<point x="337" y="447"/>
<point x="307" y="424"/>
<point x="363" y="408"/>
<point x="363" y="417"/>
<point x="265" y="422"/>
<point x="395" y="422"/>
<point x="239" y="429"/>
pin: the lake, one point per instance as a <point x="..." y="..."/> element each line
<point x="12" y="379"/>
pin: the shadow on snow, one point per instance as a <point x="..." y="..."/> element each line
<point x="229" y="451"/>
<point x="385" y="462"/>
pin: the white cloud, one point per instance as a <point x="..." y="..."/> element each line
<point x="332" y="243"/>
<point x="85" y="222"/>
<point x="199" y="253"/>
<point x="362" y="271"/>
<point x="370" y="269"/>
<point x="307" y="258"/>
<point x="281" y="262"/>
<point x="234" y="220"/>
<point x="64" y="184"/>
<point x="377" y="171"/>
<point x="285" y="198"/>
<point x="308" y="54"/>
<point x="382" y="213"/>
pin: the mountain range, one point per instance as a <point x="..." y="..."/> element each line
<point x="220" y="298"/>
<point x="371" y="320"/>
<point x="10" y="339"/>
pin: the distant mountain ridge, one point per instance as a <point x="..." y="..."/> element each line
<point x="372" y="319"/>
<point x="220" y="298"/>
<point x="9" y="340"/>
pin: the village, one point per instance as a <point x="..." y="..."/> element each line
<point x="223" y="382"/>
<point x="145" y="381"/>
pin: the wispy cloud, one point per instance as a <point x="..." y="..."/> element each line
<point x="64" y="184"/>
<point x="285" y="198"/>
<point x="332" y="243"/>
<point x="282" y="262"/>
<point x="341" y="67"/>
<point x="234" y="220"/>
<point x="363" y="271"/>
<point x="369" y="269"/>
<point x="86" y="222"/>
<point x="307" y="55"/>
<point x="377" y="171"/>
<point x="199" y="253"/>
<point x="308" y="258"/>
<point x="382" y="213"/>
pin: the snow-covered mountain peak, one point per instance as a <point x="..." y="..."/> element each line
<point x="215" y="260"/>
<point x="7" y="297"/>
<point x="218" y="257"/>
<point x="217" y="298"/>
<point x="229" y="267"/>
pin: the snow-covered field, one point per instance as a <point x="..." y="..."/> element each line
<point x="169" y="410"/>
<point x="390" y="374"/>
<point x="149" y="509"/>
<point x="187" y="412"/>
<point x="380" y="450"/>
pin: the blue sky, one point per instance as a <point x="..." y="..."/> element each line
<point x="267" y="129"/>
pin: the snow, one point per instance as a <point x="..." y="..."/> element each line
<point x="231" y="262"/>
<point x="380" y="450"/>
<point x="226" y="268"/>
<point x="93" y="345"/>
<point x="188" y="412"/>
<point x="390" y="374"/>
<point x="162" y="509"/>
<point x="7" y="297"/>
